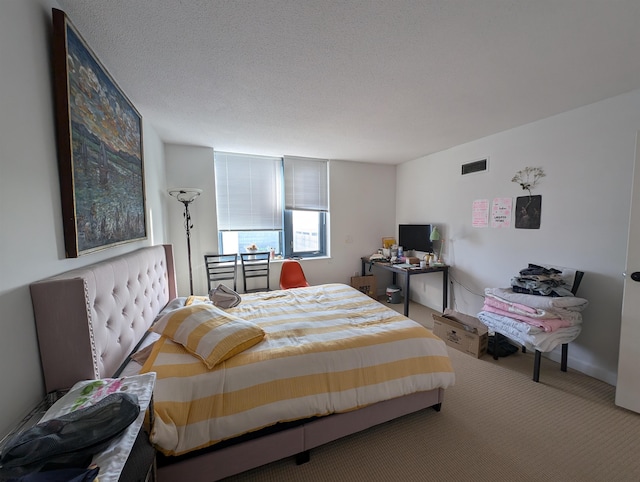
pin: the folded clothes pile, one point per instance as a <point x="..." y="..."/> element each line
<point x="538" y="280"/>
<point x="538" y="311"/>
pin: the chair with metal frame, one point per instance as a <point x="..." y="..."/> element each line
<point x="565" y="346"/>
<point x="221" y="267"/>
<point x="538" y="354"/>
<point x="256" y="265"/>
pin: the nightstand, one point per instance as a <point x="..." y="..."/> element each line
<point x="130" y="457"/>
<point x="141" y="464"/>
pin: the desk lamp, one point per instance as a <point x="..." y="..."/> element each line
<point x="186" y="195"/>
<point x="435" y="236"/>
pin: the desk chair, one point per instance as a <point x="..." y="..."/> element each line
<point x="292" y="275"/>
<point x="221" y="267"/>
<point x="256" y="265"/>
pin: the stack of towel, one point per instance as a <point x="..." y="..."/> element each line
<point x="536" y="321"/>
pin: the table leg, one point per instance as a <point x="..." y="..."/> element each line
<point x="445" y="289"/>
<point x="406" y="293"/>
<point x="536" y="366"/>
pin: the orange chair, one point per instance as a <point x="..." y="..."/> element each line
<point x="292" y="275"/>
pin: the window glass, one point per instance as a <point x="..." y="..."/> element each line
<point x="306" y="231"/>
<point x="237" y="241"/>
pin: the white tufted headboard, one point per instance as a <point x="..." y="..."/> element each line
<point x="88" y="320"/>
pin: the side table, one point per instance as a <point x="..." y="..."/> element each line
<point x="130" y="457"/>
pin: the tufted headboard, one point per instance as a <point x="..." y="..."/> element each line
<point x="88" y="320"/>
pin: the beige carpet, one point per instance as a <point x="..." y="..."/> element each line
<point x="495" y="424"/>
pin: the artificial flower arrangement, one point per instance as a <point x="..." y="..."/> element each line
<point x="528" y="178"/>
<point x="252" y="247"/>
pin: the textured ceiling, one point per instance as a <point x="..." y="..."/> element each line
<point x="371" y="80"/>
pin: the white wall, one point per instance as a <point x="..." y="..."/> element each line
<point x="31" y="238"/>
<point x="192" y="166"/>
<point x="587" y="155"/>
<point x="362" y="211"/>
<point x="362" y="200"/>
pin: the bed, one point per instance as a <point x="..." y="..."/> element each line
<point x="90" y="321"/>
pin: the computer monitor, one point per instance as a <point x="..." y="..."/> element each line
<point x="415" y="237"/>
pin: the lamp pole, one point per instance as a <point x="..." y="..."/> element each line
<point x="187" y="227"/>
<point x="186" y="196"/>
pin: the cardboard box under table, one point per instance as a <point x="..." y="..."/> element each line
<point x="366" y="284"/>
<point x="462" y="332"/>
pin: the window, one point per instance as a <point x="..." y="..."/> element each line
<point x="272" y="202"/>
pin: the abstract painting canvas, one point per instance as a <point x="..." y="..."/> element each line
<point x="99" y="141"/>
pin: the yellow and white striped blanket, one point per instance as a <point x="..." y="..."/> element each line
<point x="327" y="349"/>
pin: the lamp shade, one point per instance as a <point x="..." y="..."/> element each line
<point x="435" y="234"/>
<point x="185" y="194"/>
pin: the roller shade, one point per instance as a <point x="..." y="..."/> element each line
<point x="306" y="185"/>
<point x="248" y="192"/>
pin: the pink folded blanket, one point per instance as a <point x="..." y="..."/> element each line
<point x="547" y="324"/>
<point x="517" y="308"/>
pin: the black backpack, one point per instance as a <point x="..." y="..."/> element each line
<point x="70" y="440"/>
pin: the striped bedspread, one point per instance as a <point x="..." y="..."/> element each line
<point x="327" y="349"/>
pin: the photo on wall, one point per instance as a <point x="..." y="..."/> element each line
<point x="99" y="140"/>
<point x="528" y="211"/>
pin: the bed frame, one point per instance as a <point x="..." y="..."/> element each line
<point x="90" y="319"/>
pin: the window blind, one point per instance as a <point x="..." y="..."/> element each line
<point x="248" y="192"/>
<point x="306" y="185"/>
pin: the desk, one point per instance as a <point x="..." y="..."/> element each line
<point x="407" y="273"/>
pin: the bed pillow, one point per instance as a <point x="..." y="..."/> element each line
<point x="142" y="355"/>
<point x="208" y="332"/>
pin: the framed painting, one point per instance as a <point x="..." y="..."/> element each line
<point x="99" y="143"/>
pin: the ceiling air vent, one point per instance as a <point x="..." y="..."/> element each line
<point x="475" y="166"/>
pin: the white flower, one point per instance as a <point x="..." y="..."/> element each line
<point x="528" y="177"/>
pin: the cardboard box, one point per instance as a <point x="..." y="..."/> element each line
<point x="366" y="284"/>
<point x="462" y="332"/>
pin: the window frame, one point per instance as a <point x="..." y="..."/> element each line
<point x="288" y="237"/>
<point x="285" y="234"/>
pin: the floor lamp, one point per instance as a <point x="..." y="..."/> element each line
<point x="186" y="195"/>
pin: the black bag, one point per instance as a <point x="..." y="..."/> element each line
<point x="70" y="440"/>
<point x="62" y="475"/>
<point x="504" y="347"/>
